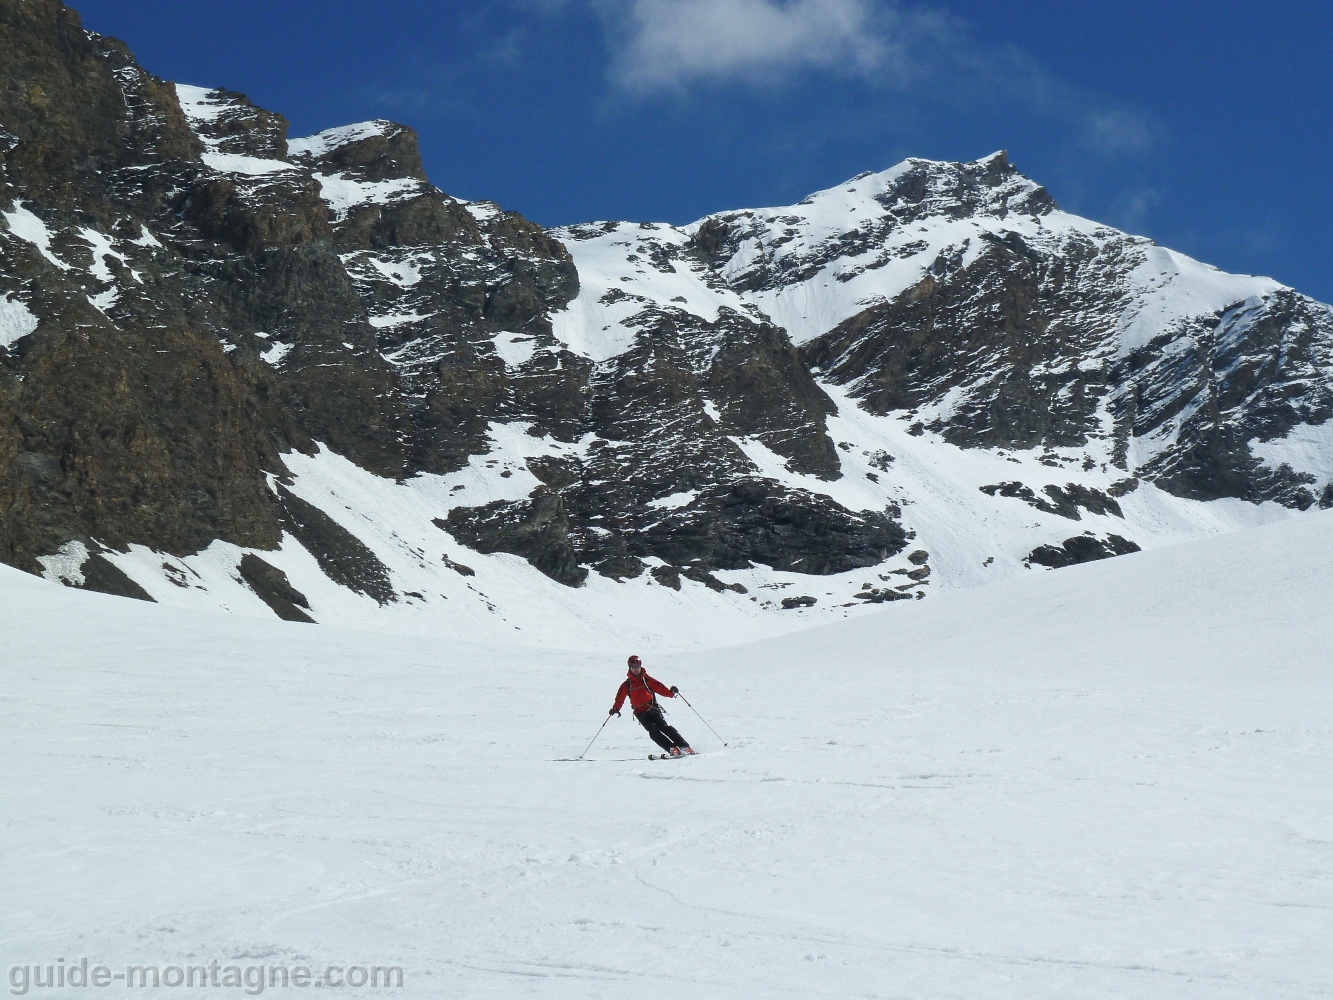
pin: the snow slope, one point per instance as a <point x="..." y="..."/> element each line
<point x="813" y="265"/>
<point x="1109" y="781"/>
<point x="973" y="538"/>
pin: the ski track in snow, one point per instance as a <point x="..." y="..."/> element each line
<point x="1110" y="781"/>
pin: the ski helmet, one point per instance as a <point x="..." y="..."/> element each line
<point x="634" y="661"/>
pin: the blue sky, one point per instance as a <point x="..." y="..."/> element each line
<point x="1204" y="125"/>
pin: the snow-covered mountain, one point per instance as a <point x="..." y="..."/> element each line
<point x="959" y="294"/>
<point x="268" y="376"/>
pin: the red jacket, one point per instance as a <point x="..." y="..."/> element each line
<point x="640" y="690"/>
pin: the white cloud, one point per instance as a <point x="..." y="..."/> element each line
<point x="1134" y="211"/>
<point x="665" y="44"/>
<point x="1117" y="131"/>
<point x="673" y="45"/>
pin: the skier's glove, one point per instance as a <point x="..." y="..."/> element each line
<point x="674" y="690"/>
<point x="614" y="712"/>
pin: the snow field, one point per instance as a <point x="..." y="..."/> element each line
<point x="618" y="261"/>
<point x="1107" y="781"/>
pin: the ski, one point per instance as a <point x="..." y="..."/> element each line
<point x="671" y="756"/>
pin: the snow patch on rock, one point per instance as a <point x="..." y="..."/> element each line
<point x="675" y="501"/>
<point x="201" y="104"/>
<point x="515" y="349"/>
<point x="28" y="227"/>
<point x="390" y="320"/>
<point x="251" y="166"/>
<point x="1305" y="448"/>
<point x="16" y="320"/>
<point x="342" y="194"/>
<point x="330" y="139"/>
<point x="274" y="355"/>
<point x="66" y="566"/>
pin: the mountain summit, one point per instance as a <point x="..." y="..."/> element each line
<point x="291" y="376"/>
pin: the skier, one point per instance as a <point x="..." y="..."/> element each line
<point x="640" y="688"/>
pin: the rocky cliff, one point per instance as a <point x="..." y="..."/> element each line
<point x="183" y="303"/>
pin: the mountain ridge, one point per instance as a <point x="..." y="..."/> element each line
<point x="919" y="378"/>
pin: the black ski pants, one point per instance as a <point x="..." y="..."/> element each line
<point x="662" y="732"/>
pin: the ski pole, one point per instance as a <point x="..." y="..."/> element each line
<point x="599" y="733"/>
<point x="701" y="718"/>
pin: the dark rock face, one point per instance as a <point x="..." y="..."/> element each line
<point x="1028" y="329"/>
<point x="458" y="568"/>
<point x="986" y="325"/>
<point x="439" y="282"/>
<point x="537" y="529"/>
<point x="100" y="574"/>
<point x="273" y="587"/>
<point x="1253" y="371"/>
<point x="1123" y="487"/>
<point x="726" y="527"/>
<point x="1081" y="549"/>
<point x="740" y="362"/>
<point x="342" y="556"/>
<point x="198" y="313"/>
<point x="736" y="526"/>
<point x="991" y="187"/>
<point x="1064" y="502"/>
<point x="665" y="412"/>
<point x="1004" y="324"/>
<point x="881" y="595"/>
<point x="1024" y="336"/>
<point x="322" y="290"/>
<point x="76" y="108"/>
